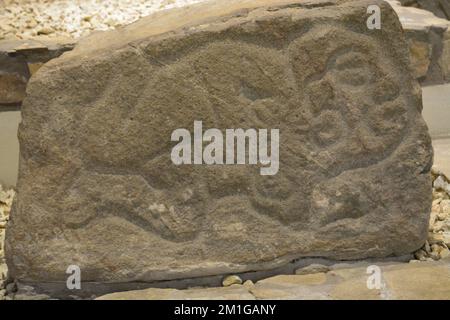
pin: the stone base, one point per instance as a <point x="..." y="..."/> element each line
<point x="91" y="290"/>
<point x="345" y="281"/>
<point x="400" y="281"/>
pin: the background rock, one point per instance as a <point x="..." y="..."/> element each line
<point x="427" y="37"/>
<point x="440" y="8"/>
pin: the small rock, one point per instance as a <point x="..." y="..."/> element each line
<point x="435" y="256"/>
<point x="31" y="23"/>
<point x="230" y="280"/>
<point x="427" y="247"/>
<point x="3" y="273"/>
<point x="436" y="248"/>
<point x="446" y="236"/>
<point x="436" y="171"/>
<point x="420" y="255"/>
<point x="441" y="216"/>
<point x="414" y="261"/>
<point x="45" y="30"/>
<point x="438" y="226"/>
<point x="440" y="195"/>
<point x="433" y="218"/>
<point x="435" y="204"/>
<point x="3" y="197"/>
<point x="248" y="284"/>
<point x="434" y="238"/>
<point x="445" y="206"/>
<point x="440" y="183"/>
<point x="11" y="287"/>
<point x="313" y="268"/>
<point x="445" y="253"/>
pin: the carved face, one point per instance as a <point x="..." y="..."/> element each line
<point x="347" y="113"/>
<point x="351" y="108"/>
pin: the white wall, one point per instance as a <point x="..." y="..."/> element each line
<point x="9" y="147"/>
<point x="436" y="110"/>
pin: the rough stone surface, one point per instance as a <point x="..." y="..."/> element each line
<point x="345" y="281"/>
<point x="97" y="188"/>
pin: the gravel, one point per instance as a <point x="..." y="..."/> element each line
<point x="438" y="243"/>
<point x="6" y="198"/>
<point x="21" y="19"/>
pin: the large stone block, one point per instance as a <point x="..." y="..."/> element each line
<point x="19" y="59"/>
<point x="13" y="79"/>
<point x="426" y="36"/>
<point x="97" y="187"/>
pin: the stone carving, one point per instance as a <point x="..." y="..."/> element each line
<point x="97" y="187"/>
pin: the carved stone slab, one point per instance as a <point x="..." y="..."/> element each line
<point x="97" y="186"/>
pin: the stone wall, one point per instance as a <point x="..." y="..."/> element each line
<point x="19" y="59"/>
<point x="428" y="38"/>
<point x="440" y="8"/>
